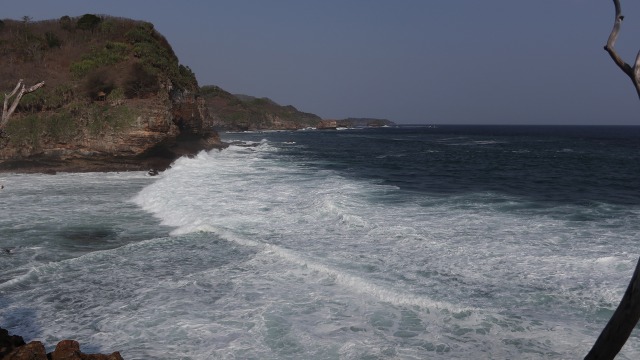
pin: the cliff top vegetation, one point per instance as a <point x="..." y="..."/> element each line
<point x="89" y="57"/>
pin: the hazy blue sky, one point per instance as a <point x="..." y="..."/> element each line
<point x="411" y="61"/>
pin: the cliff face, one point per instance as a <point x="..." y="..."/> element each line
<point x="115" y="98"/>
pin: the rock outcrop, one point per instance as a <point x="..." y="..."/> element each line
<point x="116" y="98"/>
<point x="13" y="347"/>
<point x="157" y="134"/>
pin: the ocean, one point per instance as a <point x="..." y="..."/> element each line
<point x="412" y="242"/>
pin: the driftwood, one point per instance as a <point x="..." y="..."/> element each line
<point x="18" y="92"/>
<point x="626" y="316"/>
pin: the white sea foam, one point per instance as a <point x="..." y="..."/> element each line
<point x="270" y="258"/>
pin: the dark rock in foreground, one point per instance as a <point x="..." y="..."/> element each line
<point x="13" y="347"/>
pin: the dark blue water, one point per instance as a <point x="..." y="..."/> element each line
<point x="576" y="164"/>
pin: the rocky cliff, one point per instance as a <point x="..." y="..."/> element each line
<point x="116" y="97"/>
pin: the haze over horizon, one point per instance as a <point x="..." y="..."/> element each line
<point x="454" y="62"/>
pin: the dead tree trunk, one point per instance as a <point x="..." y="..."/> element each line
<point x="626" y="316"/>
<point x="19" y="91"/>
<point x="619" y="327"/>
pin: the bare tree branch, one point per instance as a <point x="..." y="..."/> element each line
<point x="22" y="91"/>
<point x="636" y="69"/>
<point x="632" y="72"/>
<point x="8" y="96"/>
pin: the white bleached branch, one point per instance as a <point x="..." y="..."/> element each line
<point x="19" y="91"/>
<point x="632" y="72"/>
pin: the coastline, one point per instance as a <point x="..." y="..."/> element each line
<point x="160" y="160"/>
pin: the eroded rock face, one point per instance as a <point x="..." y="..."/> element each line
<point x="12" y="347"/>
<point x="164" y="128"/>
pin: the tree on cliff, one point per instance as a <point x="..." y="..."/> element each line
<point x="19" y="91"/>
<point x="626" y="316"/>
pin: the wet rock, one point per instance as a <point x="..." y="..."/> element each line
<point x="9" y="342"/>
<point x="31" y="351"/>
<point x="70" y="350"/>
<point x="13" y="347"/>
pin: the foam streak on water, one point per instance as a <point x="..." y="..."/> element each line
<point x="262" y="256"/>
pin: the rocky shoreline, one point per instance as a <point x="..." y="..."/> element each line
<point x="13" y="347"/>
<point x="159" y="160"/>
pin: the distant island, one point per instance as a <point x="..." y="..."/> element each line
<point x="116" y="98"/>
<point x="365" y="122"/>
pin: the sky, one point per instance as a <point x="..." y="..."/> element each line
<point x="410" y="61"/>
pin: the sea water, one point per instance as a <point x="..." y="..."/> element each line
<point x="446" y="242"/>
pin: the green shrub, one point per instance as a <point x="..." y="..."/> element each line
<point x="234" y="101"/>
<point x="98" y="83"/>
<point x="140" y="82"/>
<point x="111" y="53"/>
<point x="153" y="55"/>
<point x="26" y="131"/>
<point x="260" y="101"/>
<point x="58" y="96"/>
<point x="81" y="68"/>
<point x="52" y="40"/>
<point x="121" y="118"/>
<point x="107" y="26"/>
<point x="88" y="22"/>
<point x="237" y="117"/>
<point x="142" y="32"/>
<point x="210" y="90"/>
<point x="115" y="95"/>
<point x="119" y="48"/>
<point x="186" y="78"/>
<point x="105" y="118"/>
<point x="66" y="23"/>
<point x="30" y="46"/>
<point x="31" y="102"/>
<point x="96" y="123"/>
<point x="61" y="127"/>
<point x="154" y="51"/>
